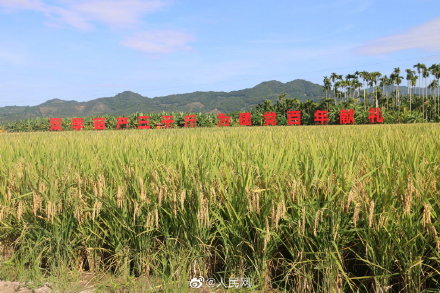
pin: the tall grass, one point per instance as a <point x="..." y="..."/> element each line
<point x="303" y="209"/>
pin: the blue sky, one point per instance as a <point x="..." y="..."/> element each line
<point x="85" y="49"/>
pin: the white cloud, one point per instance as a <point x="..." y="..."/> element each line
<point x="116" y="12"/>
<point x="160" y="41"/>
<point x="425" y="36"/>
<point x="84" y="14"/>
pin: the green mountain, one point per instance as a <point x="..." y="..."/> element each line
<point x="129" y="102"/>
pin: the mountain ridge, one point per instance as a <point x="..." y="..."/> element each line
<point x="128" y="102"/>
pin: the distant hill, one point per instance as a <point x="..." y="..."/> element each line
<point x="130" y="102"/>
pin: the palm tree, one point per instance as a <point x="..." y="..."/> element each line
<point x="373" y="79"/>
<point x="435" y="70"/>
<point x="357" y="85"/>
<point x="421" y="70"/>
<point x="419" y="67"/>
<point x="339" y="84"/>
<point x="327" y="86"/>
<point x="350" y="81"/>
<point x="346" y="86"/>
<point x="384" y="83"/>
<point x="434" y="85"/>
<point x="425" y="75"/>
<point x="396" y="80"/>
<point x="333" y="78"/>
<point x="411" y="77"/>
<point x="437" y="75"/>
<point x="365" y="79"/>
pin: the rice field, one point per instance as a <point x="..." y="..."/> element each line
<point x="351" y="208"/>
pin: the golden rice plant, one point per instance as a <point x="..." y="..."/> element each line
<point x="303" y="209"/>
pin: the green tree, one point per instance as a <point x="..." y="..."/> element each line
<point x="365" y="78"/>
<point x="385" y="82"/>
<point x="374" y="78"/>
<point x="335" y="77"/>
<point x="435" y="71"/>
<point x="396" y="80"/>
<point x="327" y="86"/>
<point x="411" y="77"/>
<point x="421" y="70"/>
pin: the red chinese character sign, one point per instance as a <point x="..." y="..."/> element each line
<point x="270" y="118"/>
<point x="190" y="120"/>
<point x="223" y="120"/>
<point x="55" y="124"/>
<point x="99" y="123"/>
<point x="122" y="122"/>
<point x="144" y="122"/>
<point x="168" y="121"/>
<point x="375" y="115"/>
<point x="321" y="117"/>
<point x="77" y="124"/>
<point x="294" y="118"/>
<point x="245" y="119"/>
<point x="346" y="116"/>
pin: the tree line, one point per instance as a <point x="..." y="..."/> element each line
<point x="381" y="90"/>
